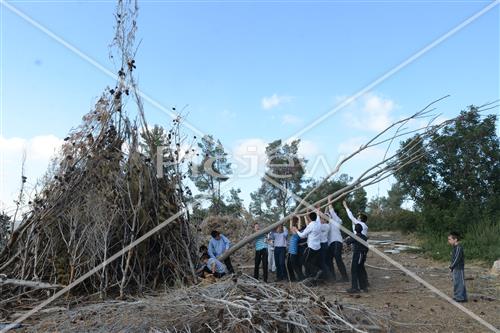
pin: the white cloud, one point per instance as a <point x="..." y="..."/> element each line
<point x="290" y="119"/>
<point x="307" y="148"/>
<point x="273" y="101"/>
<point x="39" y="150"/>
<point x="252" y="146"/>
<point x="371" y="112"/>
<point x="249" y="157"/>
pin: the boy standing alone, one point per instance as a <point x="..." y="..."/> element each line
<point x="457" y="268"/>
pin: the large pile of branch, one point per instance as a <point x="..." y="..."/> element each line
<point x="239" y="304"/>
<point x="101" y="195"/>
<point x="245" y="305"/>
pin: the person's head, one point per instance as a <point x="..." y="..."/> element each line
<point x="358" y="228"/>
<point x="295" y="221"/>
<point x="204" y="258"/>
<point x="453" y="238"/>
<point x="256" y="227"/>
<point x="203" y="249"/>
<point x="215" y="234"/>
<point x="313" y="216"/>
<point x="279" y="228"/>
<point x="363" y="217"/>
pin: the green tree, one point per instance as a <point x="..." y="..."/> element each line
<point x="284" y="173"/>
<point x="213" y="170"/>
<point x="457" y="182"/>
<point x="234" y="205"/>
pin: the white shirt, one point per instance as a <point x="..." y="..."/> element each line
<point x="325" y="229"/>
<point x="313" y="233"/>
<point x="356" y="221"/>
<point x="335" y="222"/>
<point x="279" y="238"/>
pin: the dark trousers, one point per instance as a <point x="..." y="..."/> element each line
<point x="302" y="255"/>
<point x="335" y="252"/>
<point x="228" y="264"/>
<point x="358" y="272"/>
<point x="294" y="267"/>
<point x="459" y="291"/>
<point x="326" y="273"/>
<point x="279" y="258"/>
<point x="260" y="256"/>
<point x="311" y="260"/>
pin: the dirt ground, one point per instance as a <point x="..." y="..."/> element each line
<point x="413" y="307"/>
<point x="409" y="306"/>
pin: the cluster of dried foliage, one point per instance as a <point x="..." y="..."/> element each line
<point x="104" y="193"/>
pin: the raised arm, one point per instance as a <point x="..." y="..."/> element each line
<point x="349" y="213"/>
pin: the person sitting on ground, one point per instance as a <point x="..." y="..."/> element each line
<point x="213" y="266"/>
<point x="457" y="268"/>
<point x="358" y="272"/>
<point x="260" y="254"/>
<point x="217" y="245"/>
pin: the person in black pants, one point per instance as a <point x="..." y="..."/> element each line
<point x="293" y="265"/>
<point x="335" y="242"/>
<point x="280" y="236"/>
<point x="358" y="272"/>
<point x="260" y="254"/>
<point x="302" y="246"/>
<point x="312" y="253"/>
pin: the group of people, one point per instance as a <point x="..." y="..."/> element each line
<point x="310" y="247"/>
<point x="307" y="248"/>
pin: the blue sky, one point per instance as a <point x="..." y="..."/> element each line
<point x="224" y="60"/>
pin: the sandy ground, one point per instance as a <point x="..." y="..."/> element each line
<point x="415" y="307"/>
<point x="410" y="306"/>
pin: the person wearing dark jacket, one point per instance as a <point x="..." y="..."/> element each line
<point x="457" y="268"/>
<point x="359" y="251"/>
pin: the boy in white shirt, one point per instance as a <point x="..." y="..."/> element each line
<point x="335" y="242"/>
<point x="312" y="253"/>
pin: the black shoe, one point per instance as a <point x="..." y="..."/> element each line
<point x="364" y="290"/>
<point x="352" y="291"/>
